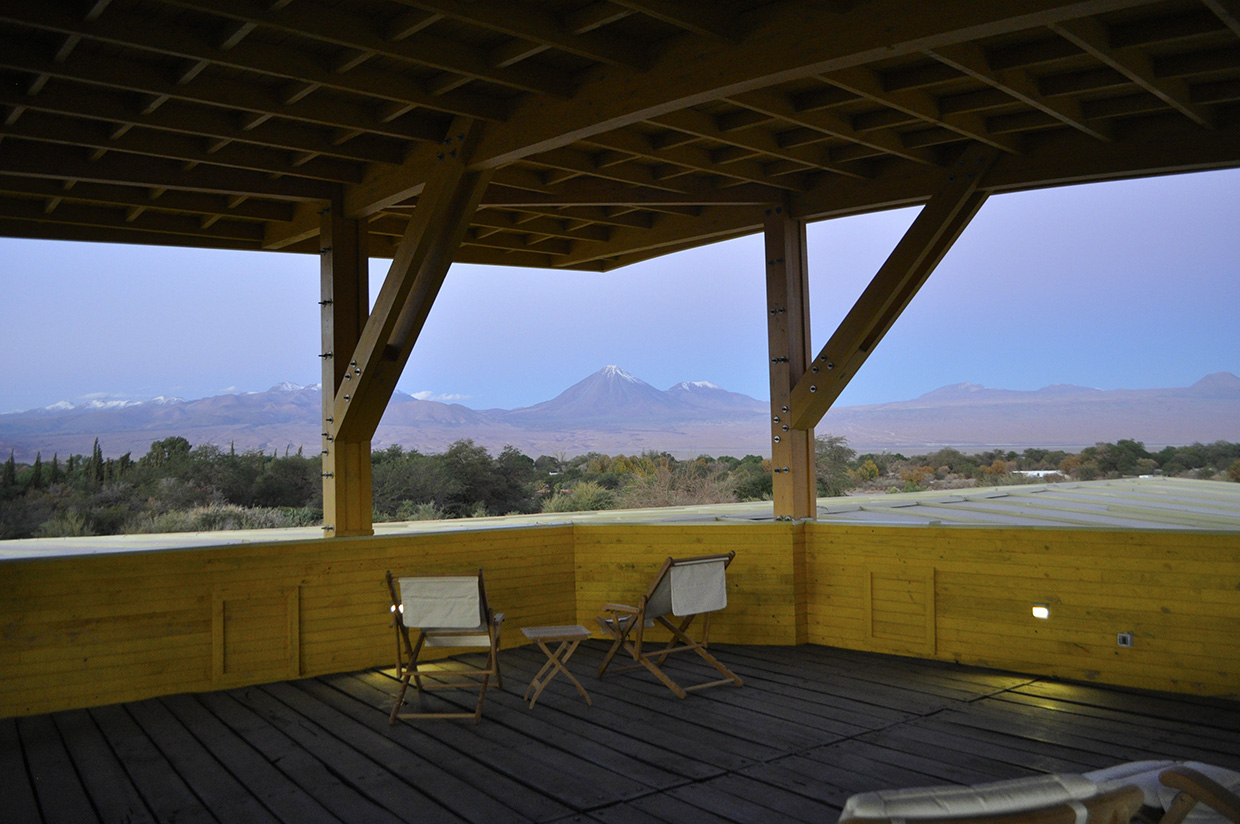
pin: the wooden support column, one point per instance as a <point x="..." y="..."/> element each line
<point x="787" y="302"/>
<point x="925" y="243"/>
<point x="445" y="207"/>
<point x="347" y="487"/>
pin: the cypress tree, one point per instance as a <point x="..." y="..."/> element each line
<point x="36" y="476"/>
<point x="96" y="461"/>
<point x="55" y="472"/>
<point x="8" y="479"/>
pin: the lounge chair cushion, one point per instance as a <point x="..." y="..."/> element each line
<point x="995" y="798"/>
<point x="1141" y="774"/>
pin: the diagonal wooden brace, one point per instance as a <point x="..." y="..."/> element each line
<point x="445" y="207"/>
<point x="917" y="254"/>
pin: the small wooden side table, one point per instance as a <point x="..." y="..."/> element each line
<point x="568" y="638"/>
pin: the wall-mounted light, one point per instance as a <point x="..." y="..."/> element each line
<point x="1041" y="611"/>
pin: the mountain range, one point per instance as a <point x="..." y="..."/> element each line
<point x="613" y="411"/>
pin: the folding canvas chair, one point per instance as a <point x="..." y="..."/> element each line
<point x="683" y="588"/>
<point x="1042" y="799"/>
<point x="447" y="611"/>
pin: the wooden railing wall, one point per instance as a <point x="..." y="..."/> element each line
<point x="96" y="629"/>
<point x="1177" y="593"/>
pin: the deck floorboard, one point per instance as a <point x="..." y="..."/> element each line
<point x="812" y="726"/>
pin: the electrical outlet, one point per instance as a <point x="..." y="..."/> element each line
<point x="1124" y="639"/>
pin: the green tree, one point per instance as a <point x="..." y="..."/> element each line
<point x="8" y="478"/>
<point x="832" y="456"/>
<point x="168" y="452"/>
<point x="36" y="473"/>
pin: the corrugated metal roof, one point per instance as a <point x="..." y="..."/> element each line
<point x="1129" y="503"/>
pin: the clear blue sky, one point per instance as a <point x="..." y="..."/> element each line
<point x="1119" y="285"/>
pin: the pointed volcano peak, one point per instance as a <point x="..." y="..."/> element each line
<point x="286" y="386"/>
<point x="609" y="393"/>
<point x="613" y="372"/>
<point x="1217" y="385"/>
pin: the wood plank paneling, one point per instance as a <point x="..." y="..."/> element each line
<point x="91" y="630"/>
<point x="1175" y="591"/>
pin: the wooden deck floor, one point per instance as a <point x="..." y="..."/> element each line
<point x="812" y="726"/>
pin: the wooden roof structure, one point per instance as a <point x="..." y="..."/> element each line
<point x="615" y="130"/>
<point x="587" y="135"/>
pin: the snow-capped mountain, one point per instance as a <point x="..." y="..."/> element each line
<point x="614" y="411"/>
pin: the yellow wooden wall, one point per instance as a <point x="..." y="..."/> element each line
<point x="617" y="563"/>
<point x="98" y="629"/>
<point x="966" y="594"/>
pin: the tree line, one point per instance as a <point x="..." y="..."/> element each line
<point x="176" y="487"/>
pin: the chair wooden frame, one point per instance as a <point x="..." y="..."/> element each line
<point x="1193" y="788"/>
<point x="626" y="626"/>
<point x="409" y="667"/>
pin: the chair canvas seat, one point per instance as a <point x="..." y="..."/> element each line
<point x="683" y="588"/>
<point x="446" y="611"/>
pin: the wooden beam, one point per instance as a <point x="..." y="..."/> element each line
<point x="699" y="18"/>
<point x="276" y="60"/>
<point x="65" y="98"/>
<point x="694" y="71"/>
<point x="700" y="124"/>
<point x="332" y="24"/>
<point x="23" y="158"/>
<point x="531" y="23"/>
<point x="1228" y="11"/>
<point x="598" y="193"/>
<point x="48" y="128"/>
<point x="781" y="107"/>
<point x="344" y="280"/>
<point x="692" y="158"/>
<point x="1093" y="37"/>
<point x="795" y="484"/>
<point x="435" y="232"/>
<point x="203" y="204"/>
<point x="972" y="60"/>
<point x="925" y="243"/>
<point x="922" y="105"/>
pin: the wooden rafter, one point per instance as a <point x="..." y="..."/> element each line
<point x="925" y="243"/>
<point x="533" y="25"/>
<point x="252" y="209"/>
<point x="135" y="76"/>
<point x="358" y="34"/>
<point x="701" y="124"/>
<point x="689" y="158"/>
<point x="1092" y="36"/>
<point x="292" y="102"/>
<point x="1227" y="11"/>
<point x="45" y="128"/>
<point x="920" y="104"/>
<point x="971" y="59"/>
<point x="159" y="37"/>
<point x="698" y="18"/>
<point x="779" y="106"/>
<point x="24" y="157"/>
